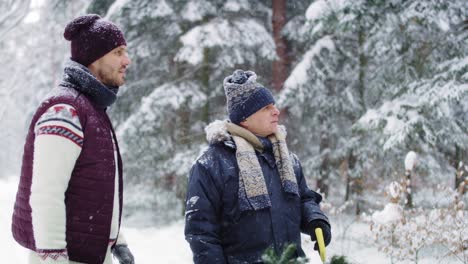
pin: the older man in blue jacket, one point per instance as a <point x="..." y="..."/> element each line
<point x="247" y="193"/>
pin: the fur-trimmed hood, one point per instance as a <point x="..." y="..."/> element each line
<point x="217" y="132"/>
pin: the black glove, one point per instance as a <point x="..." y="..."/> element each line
<point x="325" y="230"/>
<point x="123" y="254"/>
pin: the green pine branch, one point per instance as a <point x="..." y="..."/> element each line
<point x="286" y="257"/>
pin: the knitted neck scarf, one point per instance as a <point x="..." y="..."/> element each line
<point x="253" y="193"/>
<point x="80" y="78"/>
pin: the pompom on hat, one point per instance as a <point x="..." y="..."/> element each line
<point x="92" y="37"/>
<point x="244" y="95"/>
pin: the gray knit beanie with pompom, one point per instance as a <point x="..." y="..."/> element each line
<point x="244" y="95"/>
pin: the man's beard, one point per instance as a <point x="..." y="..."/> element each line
<point x="108" y="80"/>
<point x="113" y="82"/>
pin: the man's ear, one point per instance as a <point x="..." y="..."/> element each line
<point x="244" y="124"/>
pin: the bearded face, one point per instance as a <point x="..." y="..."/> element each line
<point x="110" y="69"/>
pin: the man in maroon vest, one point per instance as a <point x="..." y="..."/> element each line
<point x="69" y="202"/>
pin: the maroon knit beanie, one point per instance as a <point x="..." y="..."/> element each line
<point x="91" y="38"/>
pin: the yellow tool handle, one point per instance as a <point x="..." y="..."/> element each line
<point x="321" y="243"/>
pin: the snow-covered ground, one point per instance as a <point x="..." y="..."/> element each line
<point x="167" y="244"/>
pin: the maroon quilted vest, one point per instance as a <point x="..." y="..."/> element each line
<point x="89" y="198"/>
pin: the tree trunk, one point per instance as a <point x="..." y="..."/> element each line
<point x="461" y="174"/>
<point x="322" y="182"/>
<point x="205" y="78"/>
<point x="351" y="161"/>
<point x="280" y="66"/>
<point x="358" y="182"/>
<point x="362" y="69"/>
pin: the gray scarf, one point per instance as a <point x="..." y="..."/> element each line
<point x="253" y="193"/>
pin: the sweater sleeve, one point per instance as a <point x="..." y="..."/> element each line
<point x="57" y="145"/>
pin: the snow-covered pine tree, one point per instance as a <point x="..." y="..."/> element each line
<point x="12" y="13"/>
<point x="33" y="53"/>
<point x="329" y="90"/>
<point x="367" y="55"/>
<point x="424" y="66"/>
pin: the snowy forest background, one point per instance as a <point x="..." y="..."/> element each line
<point x="374" y="95"/>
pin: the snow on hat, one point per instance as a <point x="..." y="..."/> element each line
<point x="91" y="38"/>
<point x="244" y="95"/>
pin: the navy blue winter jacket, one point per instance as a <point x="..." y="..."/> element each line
<point x="216" y="229"/>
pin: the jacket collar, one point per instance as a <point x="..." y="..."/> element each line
<point x="78" y="77"/>
<point x="217" y="132"/>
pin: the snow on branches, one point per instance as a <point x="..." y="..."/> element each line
<point x="403" y="233"/>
